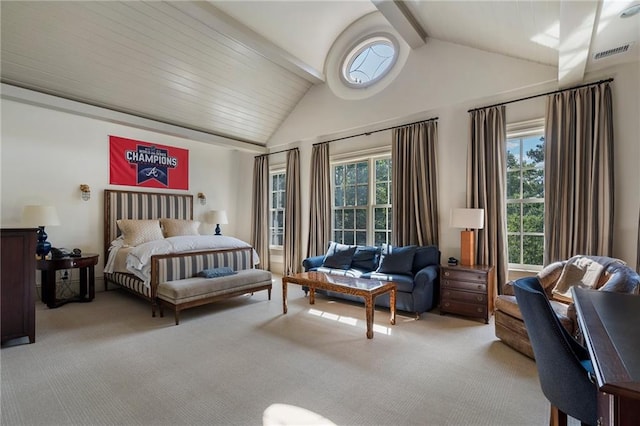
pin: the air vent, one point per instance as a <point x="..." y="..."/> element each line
<point x="610" y="52"/>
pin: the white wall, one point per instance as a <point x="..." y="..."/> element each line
<point x="46" y="155"/>
<point x="446" y="80"/>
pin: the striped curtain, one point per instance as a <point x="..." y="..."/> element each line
<point x="292" y="220"/>
<point x="579" y="179"/>
<point x="260" y="210"/>
<point x="486" y="186"/>
<point x="415" y="184"/>
<point x="320" y="203"/>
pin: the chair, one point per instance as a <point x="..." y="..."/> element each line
<point x="564" y="368"/>
<point x="509" y="326"/>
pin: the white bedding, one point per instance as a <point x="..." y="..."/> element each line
<point x="138" y="259"/>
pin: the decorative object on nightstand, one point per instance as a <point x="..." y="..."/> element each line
<point x="469" y="219"/>
<point x="219" y="217"/>
<point x="41" y="216"/>
<point x="467" y="290"/>
<point x="202" y="197"/>
<point x="85" y="192"/>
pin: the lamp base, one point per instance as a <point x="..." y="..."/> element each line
<point x="467" y="248"/>
<point x="43" y="247"/>
<point x="218" y="230"/>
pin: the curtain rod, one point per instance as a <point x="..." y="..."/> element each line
<point x="608" y="80"/>
<point x="375" y="131"/>
<point x="275" y="152"/>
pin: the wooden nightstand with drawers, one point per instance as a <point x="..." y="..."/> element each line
<point x="467" y="290"/>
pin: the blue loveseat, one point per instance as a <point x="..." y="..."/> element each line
<point x="415" y="269"/>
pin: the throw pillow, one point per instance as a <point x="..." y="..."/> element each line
<point x="425" y="256"/>
<point x="397" y="260"/>
<point x="340" y="259"/>
<point x="216" y="272"/>
<point x="136" y="232"/>
<point x="366" y="258"/>
<point x="178" y="227"/>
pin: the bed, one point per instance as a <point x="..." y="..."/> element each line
<point x="150" y="265"/>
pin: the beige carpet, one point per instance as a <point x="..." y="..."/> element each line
<point x="109" y="363"/>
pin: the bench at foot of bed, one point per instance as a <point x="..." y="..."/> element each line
<point x="191" y="292"/>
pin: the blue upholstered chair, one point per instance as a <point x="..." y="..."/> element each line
<point x="564" y="368"/>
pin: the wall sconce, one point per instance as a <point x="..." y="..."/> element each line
<point x="86" y="192"/>
<point x="202" y="197"/>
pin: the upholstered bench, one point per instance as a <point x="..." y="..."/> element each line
<point x="177" y="282"/>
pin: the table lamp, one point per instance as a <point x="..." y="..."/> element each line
<point x="469" y="219"/>
<point x="218" y="217"/>
<point x="41" y="216"/>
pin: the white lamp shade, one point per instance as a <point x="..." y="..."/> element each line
<point x="219" y="217"/>
<point x="467" y="218"/>
<point x="40" y="216"/>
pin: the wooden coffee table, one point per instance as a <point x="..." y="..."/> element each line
<point x="366" y="288"/>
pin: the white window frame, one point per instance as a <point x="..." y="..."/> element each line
<point x="273" y="210"/>
<point x="519" y="131"/>
<point x="371" y="206"/>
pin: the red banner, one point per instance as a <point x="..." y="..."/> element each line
<point x="151" y="165"/>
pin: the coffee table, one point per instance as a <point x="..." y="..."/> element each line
<point x="365" y="288"/>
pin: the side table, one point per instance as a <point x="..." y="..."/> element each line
<point x="467" y="290"/>
<point x="48" y="268"/>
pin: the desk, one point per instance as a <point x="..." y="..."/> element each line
<point x="610" y="323"/>
<point x="48" y="268"/>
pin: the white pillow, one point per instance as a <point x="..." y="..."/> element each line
<point x="178" y="227"/>
<point x="136" y="232"/>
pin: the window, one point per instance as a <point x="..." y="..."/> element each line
<point x="369" y="61"/>
<point x="525" y="198"/>
<point x="362" y="202"/>
<point x="276" y="209"/>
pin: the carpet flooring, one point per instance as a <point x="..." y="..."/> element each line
<point x="109" y="362"/>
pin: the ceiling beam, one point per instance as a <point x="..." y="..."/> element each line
<point x="577" y="27"/>
<point x="225" y="24"/>
<point x="403" y="21"/>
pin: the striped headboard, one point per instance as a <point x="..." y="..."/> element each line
<point x="141" y="205"/>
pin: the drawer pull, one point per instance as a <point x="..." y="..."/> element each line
<point x="480" y="298"/>
<point x="479" y="286"/>
<point x="446" y="304"/>
<point x="479" y="309"/>
<point x="446" y="274"/>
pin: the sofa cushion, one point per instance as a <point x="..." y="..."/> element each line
<point x="404" y="282"/>
<point x="353" y="273"/>
<point x="425" y="256"/>
<point x="366" y="258"/>
<point x="509" y="306"/>
<point x="339" y="259"/>
<point x="396" y="260"/>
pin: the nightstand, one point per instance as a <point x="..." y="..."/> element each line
<point x="467" y="290"/>
<point x="48" y="268"/>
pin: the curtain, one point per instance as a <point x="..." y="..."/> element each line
<point x="579" y="173"/>
<point x="415" y="184"/>
<point x="486" y="186"/>
<point x="320" y="202"/>
<point x="260" y="210"/>
<point x="292" y="225"/>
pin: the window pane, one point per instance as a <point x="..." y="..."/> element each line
<point x="361" y="238"/>
<point x="389" y="218"/>
<point x="339" y="175"/>
<point x="339" y="197"/>
<point x="533" y="183"/>
<point x="363" y="172"/>
<point x="363" y="195"/>
<point x="280" y="218"/>
<point x="533" y="217"/>
<point x="382" y="193"/>
<point x="514" y="248"/>
<point x="382" y="170"/>
<point x="349" y="219"/>
<point x="281" y="182"/>
<point x="281" y="200"/>
<point x="533" y="249"/>
<point x="380" y="238"/>
<point x="380" y="218"/>
<point x="533" y="151"/>
<point x="513" y="217"/>
<point x="337" y="236"/>
<point x="350" y="196"/>
<point x="337" y="219"/>
<point x="348" y="238"/>
<point x="513" y="185"/>
<point x="350" y="178"/>
<point x="361" y="219"/>
<point x="280" y="240"/>
<point x="513" y="154"/>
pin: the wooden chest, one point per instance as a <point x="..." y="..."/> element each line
<point x="467" y="290"/>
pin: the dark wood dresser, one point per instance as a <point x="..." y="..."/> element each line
<point x="467" y="290"/>
<point x="18" y="283"/>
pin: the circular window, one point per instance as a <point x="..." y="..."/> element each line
<point x="368" y="61"/>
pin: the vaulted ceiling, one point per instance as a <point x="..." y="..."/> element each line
<point x="236" y="69"/>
